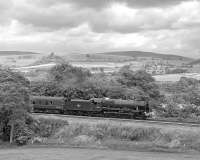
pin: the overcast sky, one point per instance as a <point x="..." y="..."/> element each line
<point x="86" y="26"/>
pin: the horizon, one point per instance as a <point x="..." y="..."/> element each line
<point x="64" y="54"/>
<point x="66" y="26"/>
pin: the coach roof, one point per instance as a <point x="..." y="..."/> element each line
<point x="46" y="98"/>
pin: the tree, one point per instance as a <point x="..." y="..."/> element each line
<point x="68" y="75"/>
<point x="140" y="79"/>
<point x="46" y="89"/>
<point x="177" y="70"/>
<point x="186" y="84"/>
<point x="14" y="103"/>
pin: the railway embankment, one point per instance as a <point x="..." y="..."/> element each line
<point x="117" y="134"/>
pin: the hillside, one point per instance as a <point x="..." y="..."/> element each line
<point x="97" y="58"/>
<point x="17" y="53"/>
<point x="147" y="54"/>
<point x="195" y="62"/>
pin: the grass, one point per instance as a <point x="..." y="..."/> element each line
<point x="114" y="135"/>
<point x="47" y="127"/>
<point x="108" y="135"/>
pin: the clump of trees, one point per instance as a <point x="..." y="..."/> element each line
<point x="182" y="99"/>
<point x="140" y="80"/>
<point x="14" y="106"/>
<point x="68" y="75"/>
<point x="75" y="82"/>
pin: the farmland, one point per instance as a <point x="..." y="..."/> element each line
<point x="176" y="77"/>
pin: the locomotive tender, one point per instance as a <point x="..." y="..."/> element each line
<point x="100" y="107"/>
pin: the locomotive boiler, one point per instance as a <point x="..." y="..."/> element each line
<point x="100" y="107"/>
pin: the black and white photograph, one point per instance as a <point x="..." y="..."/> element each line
<point x="99" y="79"/>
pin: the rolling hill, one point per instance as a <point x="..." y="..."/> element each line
<point x="195" y="62"/>
<point x="147" y="54"/>
<point x="17" y="53"/>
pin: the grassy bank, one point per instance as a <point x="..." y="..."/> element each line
<point x="108" y="135"/>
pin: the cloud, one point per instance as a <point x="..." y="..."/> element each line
<point x="49" y="18"/>
<point x="115" y="18"/>
<point x="167" y="26"/>
<point x="123" y="19"/>
<point x="5" y="8"/>
<point x="5" y="5"/>
<point x="103" y="3"/>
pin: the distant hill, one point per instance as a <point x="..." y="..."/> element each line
<point x="51" y="58"/>
<point x="147" y="54"/>
<point x="195" y="62"/>
<point x="7" y="53"/>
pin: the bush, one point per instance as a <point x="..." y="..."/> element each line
<point x="105" y="131"/>
<point x="14" y="104"/>
<point x="47" y="127"/>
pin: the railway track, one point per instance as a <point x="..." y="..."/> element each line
<point x="75" y="118"/>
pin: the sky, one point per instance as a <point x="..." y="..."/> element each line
<point x="90" y="26"/>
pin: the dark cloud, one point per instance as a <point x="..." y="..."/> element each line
<point x="79" y="3"/>
<point x="105" y="20"/>
<point x="152" y="3"/>
<point x="51" y="18"/>
<point x="103" y="3"/>
<point x="117" y="18"/>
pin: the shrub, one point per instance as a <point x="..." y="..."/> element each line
<point x="105" y="131"/>
<point x="47" y="127"/>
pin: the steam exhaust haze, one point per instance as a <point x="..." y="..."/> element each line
<point x="90" y="26"/>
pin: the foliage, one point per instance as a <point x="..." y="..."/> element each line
<point x="176" y="71"/>
<point x="182" y="99"/>
<point x="103" y="134"/>
<point x="47" y="127"/>
<point x="180" y="107"/>
<point x="46" y="89"/>
<point x="184" y="85"/>
<point x="108" y="131"/>
<point x="68" y="75"/>
<point x="75" y="82"/>
<point x="142" y="80"/>
<point x="14" y="102"/>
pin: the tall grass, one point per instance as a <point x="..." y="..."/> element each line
<point x="105" y="131"/>
<point x="47" y="127"/>
<point x="108" y="135"/>
<point x="116" y="135"/>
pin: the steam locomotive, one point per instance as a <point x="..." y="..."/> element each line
<point x="100" y="107"/>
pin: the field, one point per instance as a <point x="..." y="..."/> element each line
<point x="89" y="154"/>
<point x="176" y="77"/>
<point x="119" y="135"/>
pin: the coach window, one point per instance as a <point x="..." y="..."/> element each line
<point x="33" y="102"/>
<point x="51" y="102"/>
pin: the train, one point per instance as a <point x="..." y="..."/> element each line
<point x="99" y="107"/>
